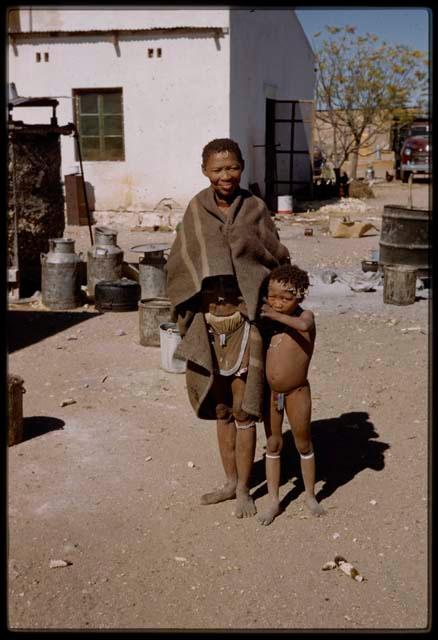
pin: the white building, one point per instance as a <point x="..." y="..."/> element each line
<point x="148" y="88"/>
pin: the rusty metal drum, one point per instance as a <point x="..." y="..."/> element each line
<point x="405" y="238"/>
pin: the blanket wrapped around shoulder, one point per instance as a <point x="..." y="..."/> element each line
<point x="243" y="242"/>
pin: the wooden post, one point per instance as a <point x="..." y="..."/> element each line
<point x="15" y="409"/>
<point x="399" y="284"/>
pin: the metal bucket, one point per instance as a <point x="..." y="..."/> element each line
<point x="104" y="259"/>
<point x="284" y="204"/>
<point x="60" y="275"/>
<point x="152" y="313"/>
<point x="405" y="238"/>
<point x="169" y="341"/>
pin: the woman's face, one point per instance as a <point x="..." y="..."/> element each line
<point x="223" y="169"/>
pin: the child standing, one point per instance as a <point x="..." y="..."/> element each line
<point x="292" y="338"/>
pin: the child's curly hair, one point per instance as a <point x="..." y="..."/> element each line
<point x="292" y="275"/>
<point x="221" y="144"/>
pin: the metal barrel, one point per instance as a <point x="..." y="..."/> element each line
<point x="151" y="275"/>
<point x="152" y="313"/>
<point x="405" y="238"/>
<point x="60" y="275"/>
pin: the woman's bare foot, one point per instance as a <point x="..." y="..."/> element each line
<point x="245" y="507"/>
<point x="269" y="514"/>
<point x="227" y="492"/>
<point x="314" y="506"/>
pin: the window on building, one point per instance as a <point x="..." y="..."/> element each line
<point x="99" y="119"/>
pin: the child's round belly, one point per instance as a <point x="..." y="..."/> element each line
<point x="286" y="369"/>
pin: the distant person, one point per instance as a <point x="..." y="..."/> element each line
<point x="224" y="249"/>
<point x="291" y="337"/>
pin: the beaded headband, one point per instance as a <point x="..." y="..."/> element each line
<point x="301" y="292"/>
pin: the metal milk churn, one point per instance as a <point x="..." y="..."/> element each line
<point x="104" y="259"/>
<point x="60" y="275"/>
<point x="152" y="277"/>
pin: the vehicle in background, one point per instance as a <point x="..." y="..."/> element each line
<point x="416" y="157"/>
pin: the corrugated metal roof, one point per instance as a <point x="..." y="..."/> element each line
<point x="165" y="30"/>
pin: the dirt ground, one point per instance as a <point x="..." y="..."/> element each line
<point x="111" y="484"/>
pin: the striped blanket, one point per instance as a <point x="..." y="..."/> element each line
<point x="242" y="242"/>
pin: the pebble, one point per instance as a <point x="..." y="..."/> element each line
<point x="191" y="464"/>
<point x="120" y="333"/>
<point x="148" y="458"/>
<point x="373" y="502"/>
<point x="72" y="338"/>
<point x="335" y="535"/>
<point x="65" y="403"/>
<point x="180" y="559"/>
<point x="56" y="564"/>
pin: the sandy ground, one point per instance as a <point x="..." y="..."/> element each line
<point x="111" y="484"/>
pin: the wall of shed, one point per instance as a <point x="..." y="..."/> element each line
<point x="172" y="106"/>
<point x="270" y="57"/>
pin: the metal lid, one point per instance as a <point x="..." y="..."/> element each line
<point x="149" y="248"/>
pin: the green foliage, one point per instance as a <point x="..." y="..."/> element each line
<point x="362" y="82"/>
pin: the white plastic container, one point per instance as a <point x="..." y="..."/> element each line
<point x="284" y="204"/>
<point x="169" y="341"/>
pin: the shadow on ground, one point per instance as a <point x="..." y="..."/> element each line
<point x="343" y="446"/>
<point x="27" y="327"/>
<point x="35" y="426"/>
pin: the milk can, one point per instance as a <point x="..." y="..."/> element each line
<point x="151" y="273"/>
<point x="60" y="275"/>
<point x="104" y="259"/>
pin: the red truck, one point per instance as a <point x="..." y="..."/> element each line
<point x="412" y="146"/>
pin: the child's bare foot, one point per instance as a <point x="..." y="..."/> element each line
<point x="269" y="514"/>
<point x="227" y="492"/>
<point x="245" y="507"/>
<point x="314" y="506"/>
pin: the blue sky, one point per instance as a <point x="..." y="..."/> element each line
<point x="398" y="25"/>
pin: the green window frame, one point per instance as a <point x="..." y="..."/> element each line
<point x="99" y="120"/>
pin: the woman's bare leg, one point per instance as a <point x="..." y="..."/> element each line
<point x="226" y="435"/>
<point x="245" y="451"/>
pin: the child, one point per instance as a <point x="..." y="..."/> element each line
<point x="292" y="339"/>
<point x="223" y="251"/>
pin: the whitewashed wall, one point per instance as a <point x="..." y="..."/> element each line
<point x="76" y="19"/>
<point x="270" y="57"/>
<point x="201" y="88"/>
<point x="172" y="105"/>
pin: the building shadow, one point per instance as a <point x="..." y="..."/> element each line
<point x="344" y="447"/>
<point x="27" y="327"/>
<point x="35" y="426"/>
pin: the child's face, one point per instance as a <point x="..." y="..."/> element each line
<point x="223" y="170"/>
<point x="280" y="299"/>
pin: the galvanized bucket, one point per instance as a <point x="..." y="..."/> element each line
<point x="152" y="313"/>
<point x="169" y="341"/>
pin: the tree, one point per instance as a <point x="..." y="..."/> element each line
<point x="361" y="85"/>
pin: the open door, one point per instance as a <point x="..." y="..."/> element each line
<point x="288" y="149"/>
